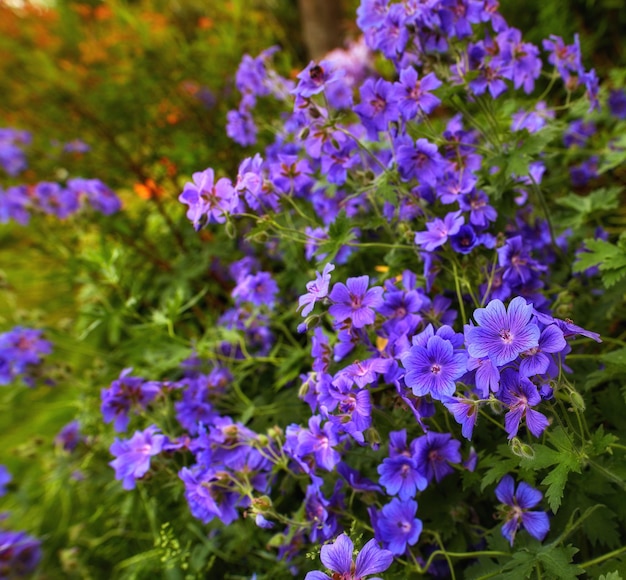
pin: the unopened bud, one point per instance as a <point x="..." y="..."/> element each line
<point x="522" y="449"/>
<point x="577" y="401"/>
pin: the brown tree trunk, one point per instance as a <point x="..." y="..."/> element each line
<point x="321" y="22"/>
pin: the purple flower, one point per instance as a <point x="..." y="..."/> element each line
<point x="399" y="475"/>
<point x="316" y="290"/>
<point x="259" y="288"/>
<point x="396" y="526"/>
<point x="337" y="557"/>
<point x="520" y="395"/>
<point x="19" y="554"/>
<point x="124" y="394"/>
<point x="315" y="78"/>
<point x="354" y="301"/>
<point x="516" y="506"/>
<point x="434" y="452"/>
<point x="421" y="160"/>
<point x="69" y="436"/>
<point x="20" y="350"/>
<point x="465" y="412"/>
<point x="617" y="103"/>
<point x="433" y="370"/>
<point x="240" y="127"/>
<point x="412" y="94"/>
<point x="208" y="496"/>
<point x="206" y="197"/>
<point x="56" y="200"/>
<point x="133" y="455"/>
<point x="502" y="334"/>
<point x="319" y="441"/>
<point x="534" y="360"/>
<point x="439" y="230"/>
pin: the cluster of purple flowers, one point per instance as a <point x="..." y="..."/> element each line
<point x="12" y="156"/>
<point x="21" y="352"/>
<point x="361" y="148"/>
<point x="48" y="197"/>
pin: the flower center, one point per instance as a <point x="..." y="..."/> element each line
<point x="435" y="369"/>
<point x="506" y="336"/>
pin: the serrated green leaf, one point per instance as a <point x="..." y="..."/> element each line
<point x="600" y="441"/>
<point x="521" y="565"/>
<point x="598" y="251"/>
<point x="601" y="528"/>
<point x="612" y="277"/>
<point x="610" y="576"/>
<point x="555" y="481"/>
<point x="557" y="561"/>
<point x="499" y="468"/>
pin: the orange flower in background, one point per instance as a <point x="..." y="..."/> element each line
<point x="170" y="166"/>
<point x="148" y="189"/>
<point x="205" y="23"/>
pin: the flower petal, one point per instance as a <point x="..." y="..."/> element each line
<point x="372" y="559"/>
<point x="338" y="556"/>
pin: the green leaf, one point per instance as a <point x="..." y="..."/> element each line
<point x="556" y="481"/>
<point x="499" y="467"/>
<point x="601" y="528"/>
<point x="600" y="442"/>
<point x="610" y="576"/>
<point x="557" y="561"/>
<point x="586" y="207"/>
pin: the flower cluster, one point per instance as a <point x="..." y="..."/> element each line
<point x="426" y="170"/>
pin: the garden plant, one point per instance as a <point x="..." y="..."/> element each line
<point x="380" y="333"/>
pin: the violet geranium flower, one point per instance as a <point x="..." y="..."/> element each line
<point x="516" y="506"/>
<point x="502" y="334"/>
<point x="133" y="455"/>
<point x="439" y="230"/>
<point x="353" y="300"/>
<point x="316" y="290"/>
<point x="433" y="370"/>
<point x="337" y="557"/>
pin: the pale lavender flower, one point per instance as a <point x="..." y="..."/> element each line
<point x="502" y="334"/>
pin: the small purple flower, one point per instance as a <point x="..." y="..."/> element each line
<point x="19" y="554"/>
<point x="439" y="230"/>
<point x="354" y="301"/>
<point x="516" y="506"/>
<point x="259" y="288"/>
<point x="434" y="452"/>
<point x="502" y="334"/>
<point x="315" y="78"/>
<point x="520" y="395"/>
<point x="399" y="476"/>
<point x="396" y="526"/>
<point x="316" y="290"/>
<point x="133" y="455"/>
<point x="69" y="437"/>
<point x="337" y="557"/>
<point x="124" y="394"/>
<point x="433" y="369"/>
<point x="617" y="103"/>
<point x="207" y="197"/>
<point x="413" y="94"/>
<point x="534" y="360"/>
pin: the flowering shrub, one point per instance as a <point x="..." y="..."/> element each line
<point x="367" y="334"/>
